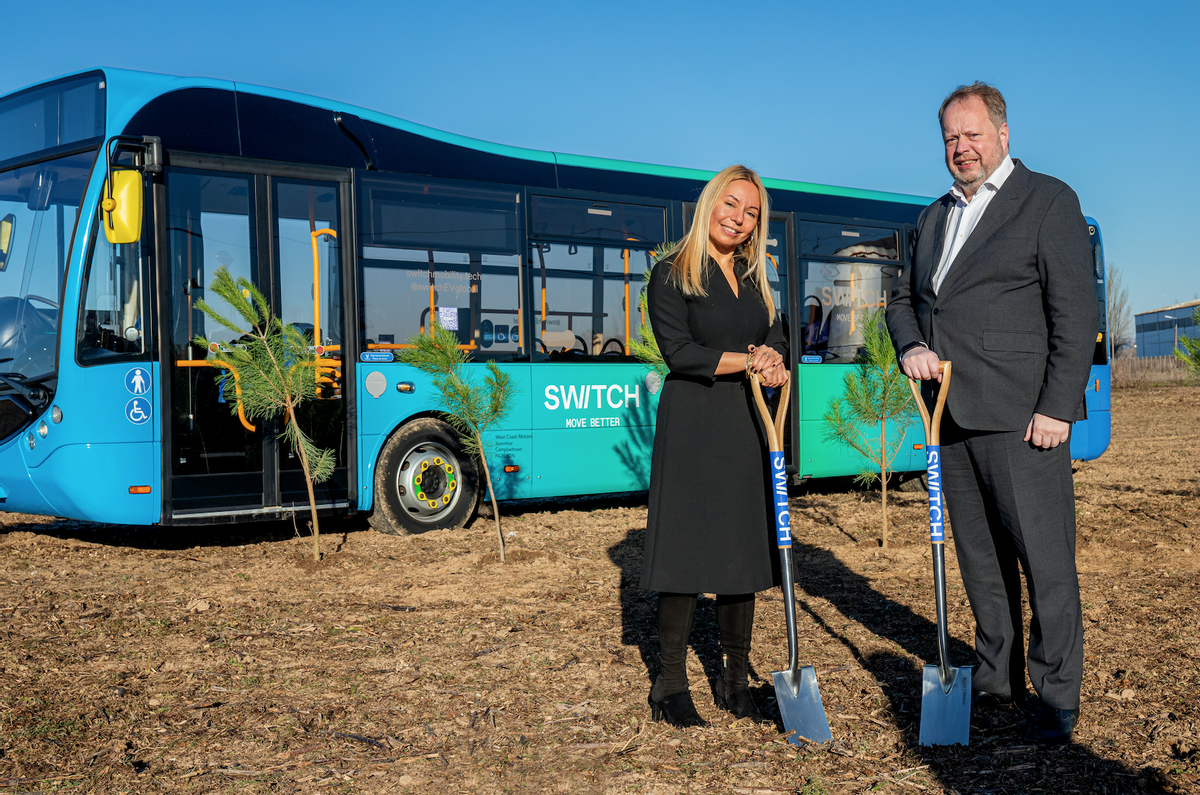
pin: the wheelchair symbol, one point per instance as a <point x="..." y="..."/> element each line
<point x="138" y="411"/>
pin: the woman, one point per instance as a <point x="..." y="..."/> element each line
<point x="708" y="528"/>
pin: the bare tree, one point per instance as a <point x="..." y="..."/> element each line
<point x="1120" y="316"/>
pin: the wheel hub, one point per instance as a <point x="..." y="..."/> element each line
<point x="427" y="482"/>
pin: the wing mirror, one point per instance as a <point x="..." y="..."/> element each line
<point x="121" y="204"/>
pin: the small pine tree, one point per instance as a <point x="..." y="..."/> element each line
<point x="274" y="372"/>
<point x="472" y="409"/>
<point x="646" y="349"/>
<point x="875" y="391"/>
<point x="1188" y="351"/>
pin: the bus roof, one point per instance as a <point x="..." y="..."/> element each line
<point x="129" y="90"/>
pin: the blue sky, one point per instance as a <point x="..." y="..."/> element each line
<point x="840" y="93"/>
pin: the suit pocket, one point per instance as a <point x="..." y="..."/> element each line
<point x="1022" y="341"/>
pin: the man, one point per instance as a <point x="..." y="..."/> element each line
<point x="1000" y="284"/>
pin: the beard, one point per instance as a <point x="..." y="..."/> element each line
<point x="986" y="169"/>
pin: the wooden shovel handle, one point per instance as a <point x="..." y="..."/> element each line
<point x="933" y="435"/>
<point x="774" y="427"/>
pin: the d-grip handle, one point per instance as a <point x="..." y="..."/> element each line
<point x="774" y="426"/>
<point x="933" y="436"/>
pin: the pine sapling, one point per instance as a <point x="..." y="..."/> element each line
<point x="645" y="349"/>
<point x="874" y="392"/>
<point x="471" y="408"/>
<point x="273" y="373"/>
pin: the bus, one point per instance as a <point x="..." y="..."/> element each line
<point x="122" y="192"/>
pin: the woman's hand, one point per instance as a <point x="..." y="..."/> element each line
<point x="763" y="358"/>
<point x="769" y="364"/>
<point x="775" y="377"/>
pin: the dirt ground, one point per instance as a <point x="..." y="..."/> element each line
<point x="225" y="660"/>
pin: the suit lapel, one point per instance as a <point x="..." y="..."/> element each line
<point x="1002" y="207"/>
<point x="939" y="239"/>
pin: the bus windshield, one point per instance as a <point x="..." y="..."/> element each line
<point x="38" y="207"/>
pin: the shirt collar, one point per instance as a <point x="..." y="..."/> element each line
<point x="995" y="181"/>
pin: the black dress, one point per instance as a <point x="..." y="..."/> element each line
<point x="708" y="529"/>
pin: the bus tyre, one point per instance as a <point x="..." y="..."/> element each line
<point x="914" y="482"/>
<point x="424" y="480"/>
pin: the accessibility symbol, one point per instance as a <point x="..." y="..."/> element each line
<point x="138" y="411"/>
<point x="137" y="381"/>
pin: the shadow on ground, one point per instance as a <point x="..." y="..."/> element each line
<point x="999" y="759"/>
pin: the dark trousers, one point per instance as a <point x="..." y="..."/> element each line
<point x="1011" y="508"/>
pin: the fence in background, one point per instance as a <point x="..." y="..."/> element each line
<point x="1131" y="371"/>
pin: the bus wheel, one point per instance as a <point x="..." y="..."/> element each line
<point x="423" y="481"/>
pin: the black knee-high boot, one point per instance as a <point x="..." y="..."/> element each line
<point x="670" y="699"/>
<point x="735" y="619"/>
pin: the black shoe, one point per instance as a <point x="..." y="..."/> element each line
<point x="1052" y="726"/>
<point x="983" y="701"/>
<point x="739" y="702"/>
<point x="676" y="709"/>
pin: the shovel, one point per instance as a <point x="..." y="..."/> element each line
<point x="796" y="692"/>
<point x="945" y="691"/>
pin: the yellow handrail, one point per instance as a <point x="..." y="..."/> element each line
<point x="237" y="383"/>
<point x="317" y="282"/>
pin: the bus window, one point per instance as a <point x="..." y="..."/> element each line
<point x="848" y="240"/>
<point x="836" y="297"/>
<point x="564" y="320"/>
<point x="308" y="210"/>
<point x="837" y="294"/>
<point x="585" y="219"/>
<point x="586" y="298"/>
<point x="38" y="207"/>
<point x="444" y="251"/>
<point x="210" y="224"/>
<point x="308" y="246"/>
<point x="111" y="322"/>
<point x="616" y="260"/>
<point x="777" y="262"/>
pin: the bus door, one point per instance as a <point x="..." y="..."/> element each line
<point x="283" y="236"/>
<point x="846" y="271"/>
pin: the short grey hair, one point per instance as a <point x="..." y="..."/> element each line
<point x="992" y="99"/>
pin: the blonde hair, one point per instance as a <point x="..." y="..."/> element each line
<point x="687" y="270"/>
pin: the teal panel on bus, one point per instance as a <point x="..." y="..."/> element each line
<point x="593" y="427"/>
<point x="511" y="448"/>
<point x="816" y="386"/>
<point x="382" y="408"/>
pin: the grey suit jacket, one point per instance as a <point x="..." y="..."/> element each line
<point x="1017" y="312"/>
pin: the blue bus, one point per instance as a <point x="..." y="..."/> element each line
<point x="122" y="192"/>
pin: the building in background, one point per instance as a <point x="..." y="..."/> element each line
<point x="1159" y="330"/>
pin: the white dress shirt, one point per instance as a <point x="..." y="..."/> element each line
<point x="964" y="215"/>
